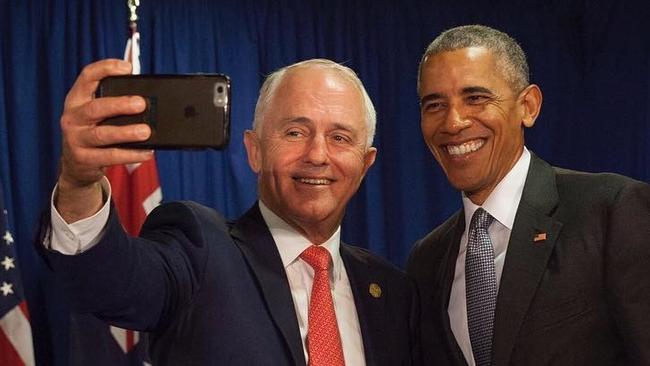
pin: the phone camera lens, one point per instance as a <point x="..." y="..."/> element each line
<point x="220" y="96"/>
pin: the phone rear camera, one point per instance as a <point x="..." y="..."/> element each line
<point x="220" y="96"/>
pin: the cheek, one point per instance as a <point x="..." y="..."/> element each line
<point x="429" y="134"/>
<point x="426" y="125"/>
<point x="277" y="156"/>
<point x="511" y="134"/>
<point x="350" y="163"/>
<point x="502" y="120"/>
<point x="430" y="125"/>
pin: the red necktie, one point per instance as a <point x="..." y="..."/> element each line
<point x="323" y="338"/>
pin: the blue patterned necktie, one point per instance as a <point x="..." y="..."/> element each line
<point x="480" y="287"/>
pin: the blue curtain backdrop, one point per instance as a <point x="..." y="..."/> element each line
<point x="591" y="60"/>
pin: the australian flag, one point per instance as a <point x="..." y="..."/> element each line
<point x="136" y="191"/>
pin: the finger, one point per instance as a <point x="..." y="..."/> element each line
<point x="84" y="161"/>
<point x="98" y="136"/>
<point x="84" y="87"/>
<point x="115" y="156"/>
<point x="102" y="108"/>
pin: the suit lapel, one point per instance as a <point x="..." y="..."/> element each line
<point x="446" y="277"/>
<point x="261" y="253"/>
<point x="531" y="243"/>
<point x="370" y="309"/>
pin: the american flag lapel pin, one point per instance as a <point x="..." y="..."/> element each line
<point x="539" y="237"/>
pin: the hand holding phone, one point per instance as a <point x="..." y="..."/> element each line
<point x="84" y="155"/>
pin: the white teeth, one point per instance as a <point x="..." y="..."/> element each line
<point x="465" y="148"/>
<point x="315" y="181"/>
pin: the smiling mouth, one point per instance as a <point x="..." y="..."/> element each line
<point x="314" y="181"/>
<point x="464" y="148"/>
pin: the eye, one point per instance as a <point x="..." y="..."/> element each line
<point x="433" y="106"/>
<point x="294" y="133"/>
<point x="477" y="99"/>
<point x="341" y="138"/>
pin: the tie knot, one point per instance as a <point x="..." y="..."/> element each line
<point x="481" y="219"/>
<point x="317" y="257"/>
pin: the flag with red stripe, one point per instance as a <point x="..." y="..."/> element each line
<point x="135" y="193"/>
<point x="16" y="347"/>
<point x="136" y="189"/>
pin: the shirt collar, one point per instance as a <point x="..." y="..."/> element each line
<point x="291" y="243"/>
<point x="502" y="203"/>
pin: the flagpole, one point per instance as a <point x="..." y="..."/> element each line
<point x="132" y="52"/>
<point x="133" y="8"/>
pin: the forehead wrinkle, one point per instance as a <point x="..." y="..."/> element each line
<point x="321" y="94"/>
<point x="296" y="119"/>
<point x="345" y="127"/>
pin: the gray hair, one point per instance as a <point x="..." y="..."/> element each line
<point x="268" y="89"/>
<point x="511" y="59"/>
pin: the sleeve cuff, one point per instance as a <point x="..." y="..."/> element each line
<point x="81" y="235"/>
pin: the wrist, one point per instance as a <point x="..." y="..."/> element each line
<point x="75" y="202"/>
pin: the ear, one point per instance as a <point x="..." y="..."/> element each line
<point x="252" y="144"/>
<point x="531" y="100"/>
<point x="369" y="159"/>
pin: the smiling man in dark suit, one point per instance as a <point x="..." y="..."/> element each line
<point x="542" y="266"/>
<point x="274" y="287"/>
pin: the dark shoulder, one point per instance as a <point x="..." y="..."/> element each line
<point x="604" y="188"/>
<point x="428" y="252"/>
<point x="365" y="257"/>
<point x="431" y="241"/>
<point x="443" y="230"/>
<point x="187" y="216"/>
<point x="188" y="209"/>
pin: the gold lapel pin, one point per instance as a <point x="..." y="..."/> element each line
<point x="375" y="290"/>
<point x="539" y="237"/>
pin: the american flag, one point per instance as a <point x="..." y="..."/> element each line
<point x="16" y="348"/>
<point x="135" y="192"/>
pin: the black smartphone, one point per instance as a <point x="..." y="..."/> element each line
<point x="184" y="111"/>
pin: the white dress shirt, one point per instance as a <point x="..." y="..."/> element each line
<point x="79" y="236"/>
<point x="502" y="205"/>
<point x="301" y="277"/>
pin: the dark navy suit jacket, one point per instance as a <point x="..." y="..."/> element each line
<point x="214" y="292"/>
<point x="577" y="295"/>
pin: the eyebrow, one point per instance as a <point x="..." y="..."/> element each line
<point x="464" y="91"/>
<point x="305" y="121"/>
<point x="430" y="97"/>
<point x="344" y="127"/>
<point x="296" y="119"/>
<point x="476" y="89"/>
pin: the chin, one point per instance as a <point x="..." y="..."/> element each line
<point x="315" y="215"/>
<point x="462" y="184"/>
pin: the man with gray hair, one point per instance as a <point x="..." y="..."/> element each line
<point x="274" y="287"/>
<point x="542" y="266"/>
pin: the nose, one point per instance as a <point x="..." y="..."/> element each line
<point x="317" y="151"/>
<point x="456" y="119"/>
